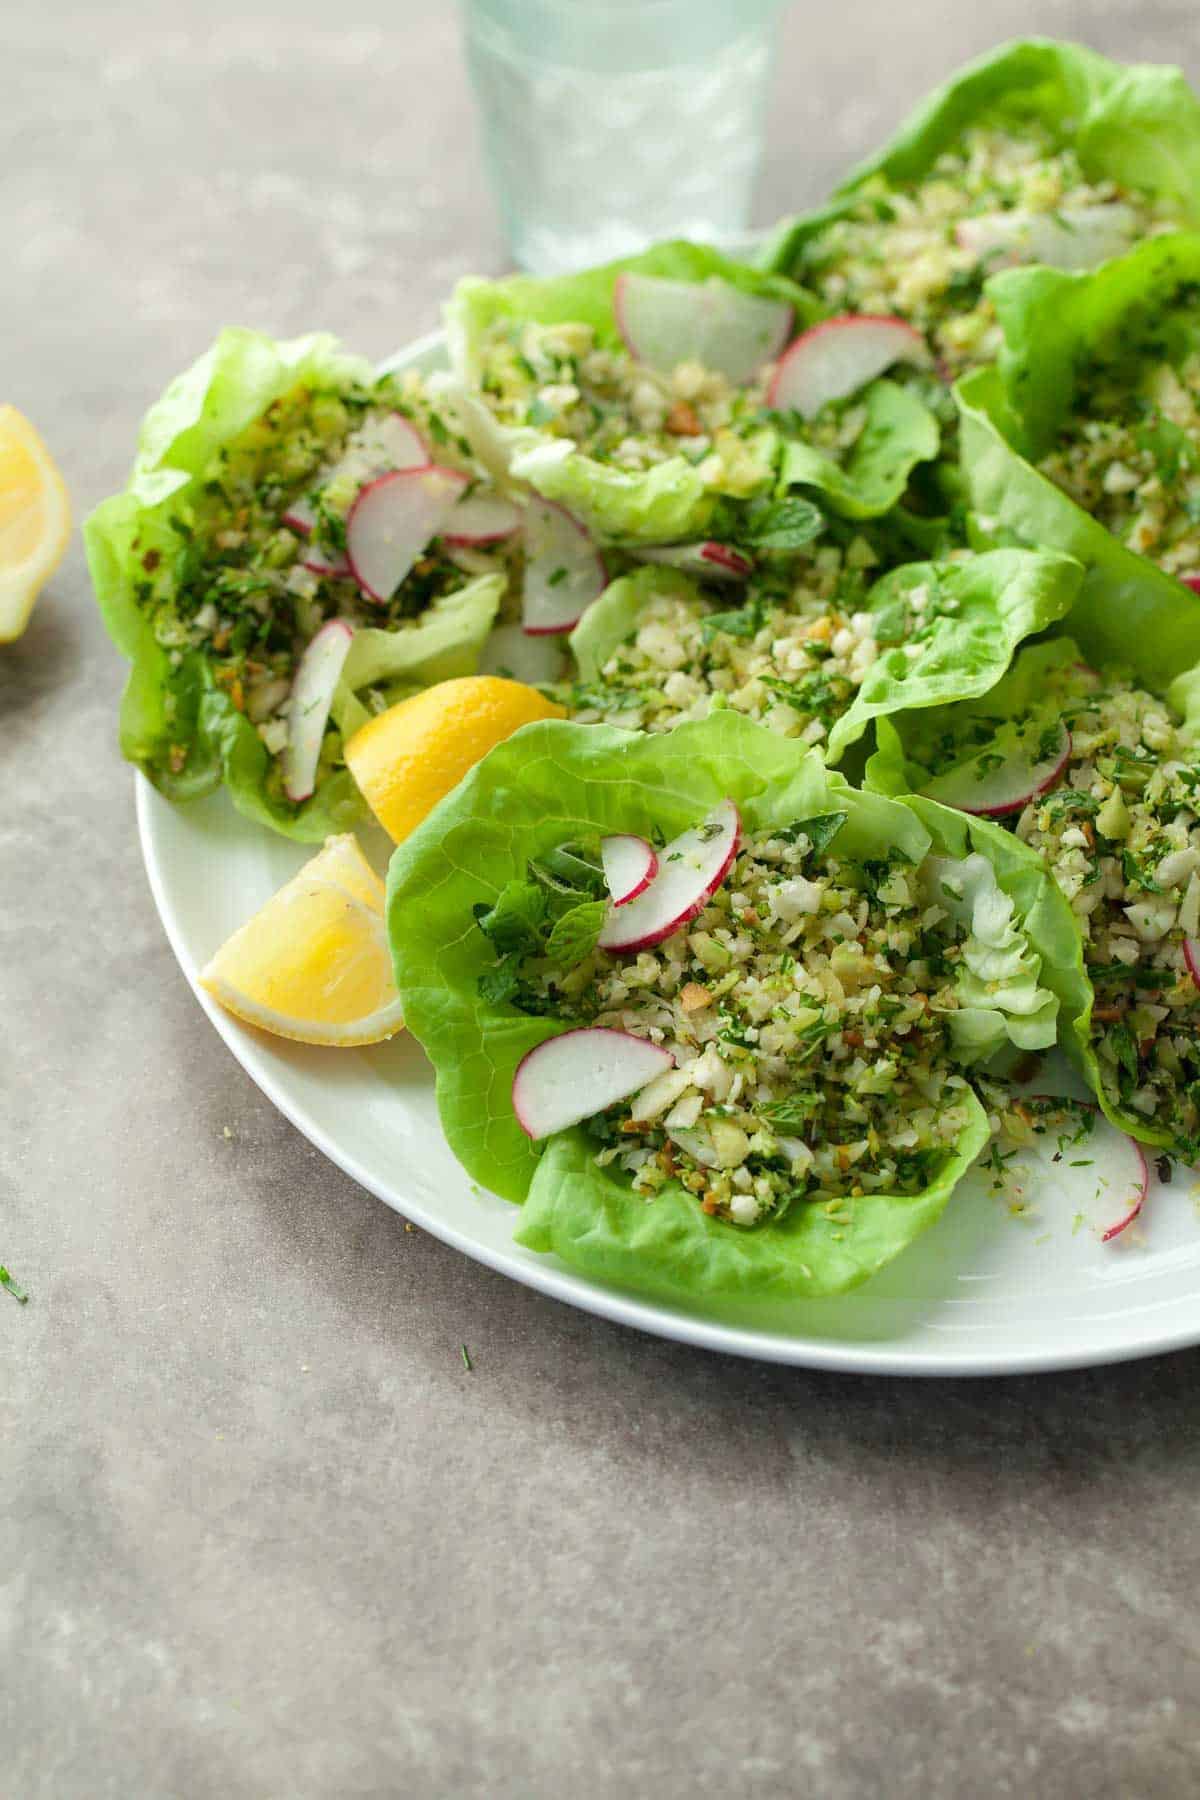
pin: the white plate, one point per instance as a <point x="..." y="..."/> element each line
<point x="983" y="1293"/>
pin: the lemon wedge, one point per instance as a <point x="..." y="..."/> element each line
<point x="35" y="520"/>
<point x="409" y="757"/>
<point x="313" y="964"/>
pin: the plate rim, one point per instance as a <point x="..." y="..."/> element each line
<point x="548" y="1277"/>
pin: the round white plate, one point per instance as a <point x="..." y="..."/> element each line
<point x="987" y="1291"/>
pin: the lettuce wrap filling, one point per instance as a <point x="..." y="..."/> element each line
<point x="1118" y="826"/>
<point x="1039" y="152"/>
<point x="644" y="452"/>
<point x="1085" y="439"/>
<point x="821" y="1006"/>
<point x="819" y="643"/>
<point x="225" y="555"/>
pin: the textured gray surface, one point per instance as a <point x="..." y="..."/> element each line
<point x="260" y="1532"/>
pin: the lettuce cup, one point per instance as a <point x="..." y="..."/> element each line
<point x="1086" y="438"/>
<point x="817" y="645"/>
<point x="658" y="399"/>
<point x="1039" y="152"/>
<point x="707" y="1011"/>
<point x="282" y="561"/>
<point x="1101" y="779"/>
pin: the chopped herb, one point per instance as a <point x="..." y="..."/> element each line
<point x="13" y="1286"/>
<point x="575" y="932"/>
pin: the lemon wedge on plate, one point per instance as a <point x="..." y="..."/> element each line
<point x="35" y="520"/>
<point x="313" y="964"/>
<point x="409" y="757"/>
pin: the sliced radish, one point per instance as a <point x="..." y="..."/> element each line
<point x="392" y="521"/>
<point x="391" y="442"/>
<point x="841" y="355"/>
<point x="629" y="865"/>
<point x="1074" y="237"/>
<point x="1102" y="1179"/>
<point x="510" y="651"/>
<point x="326" y="562"/>
<point x="975" y="786"/>
<point x="381" y="444"/>
<point x="1191" y="956"/>
<point x="317" y="675"/>
<point x="711" y="561"/>
<point x="710" y="322"/>
<point x="1191" y="581"/>
<point x="300" y="516"/>
<point x="691" y="868"/>
<point x="564" y="571"/>
<point x="482" y="519"/>
<point x="569" y="1078"/>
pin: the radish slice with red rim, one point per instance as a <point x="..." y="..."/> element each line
<point x="1191" y="956"/>
<point x="327" y="562"/>
<point x="1097" y="1175"/>
<point x="580" y="1073"/>
<point x="1002" y="779"/>
<point x="838" y="357"/>
<point x="1191" y="581"/>
<point x="300" y="517"/>
<point x="564" y="571"/>
<point x="664" y="323"/>
<point x="690" y="868"/>
<point x="710" y="561"/>
<point x="1074" y="237"/>
<point x="380" y="445"/>
<point x="393" y="520"/>
<point x="482" y="519"/>
<point x="630" y="865"/>
<point x="512" y="652"/>
<point x="317" y="675"/>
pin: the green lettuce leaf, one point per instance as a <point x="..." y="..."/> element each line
<point x="900" y="432"/>
<point x="986" y="606"/>
<point x="659" y="505"/>
<point x="554" y="782"/>
<point x="166" y="706"/>
<point x="609" y="620"/>
<point x="1051" y="924"/>
<point x="1054" y="322"/>
<point x="1127" y="610"/>
<point x="991" y="603"/>
<point x="586" y="298"/>
<point x="1137" y="125"/>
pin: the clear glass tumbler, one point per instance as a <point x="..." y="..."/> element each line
<point x="610" y="123"/>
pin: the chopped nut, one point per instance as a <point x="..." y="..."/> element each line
<point x="694" y="998"/>
<point x="683" y="420"/>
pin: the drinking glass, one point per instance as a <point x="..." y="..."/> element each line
<point x="610" y="123"/>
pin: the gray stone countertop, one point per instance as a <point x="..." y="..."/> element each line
<point x="261" y="1534"/>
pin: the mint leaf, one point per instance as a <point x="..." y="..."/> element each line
<point x="786" y="524"/>
<point x="820" y="831"/>
<point x="514" y="921"/>
<point x="575" y="933"/>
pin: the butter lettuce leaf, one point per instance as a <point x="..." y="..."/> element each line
<point x="899" y="433"/>
<point x="1127" y="610"/>
<point x="659" y="505"/>
<point x="1053" y="930"/>
<point x="980" y="610"/>
<point x="586" y="298"/>
<point x="555" y="782"/>
<point x="173" y="706"/>
<point x="1138" y="125"/>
